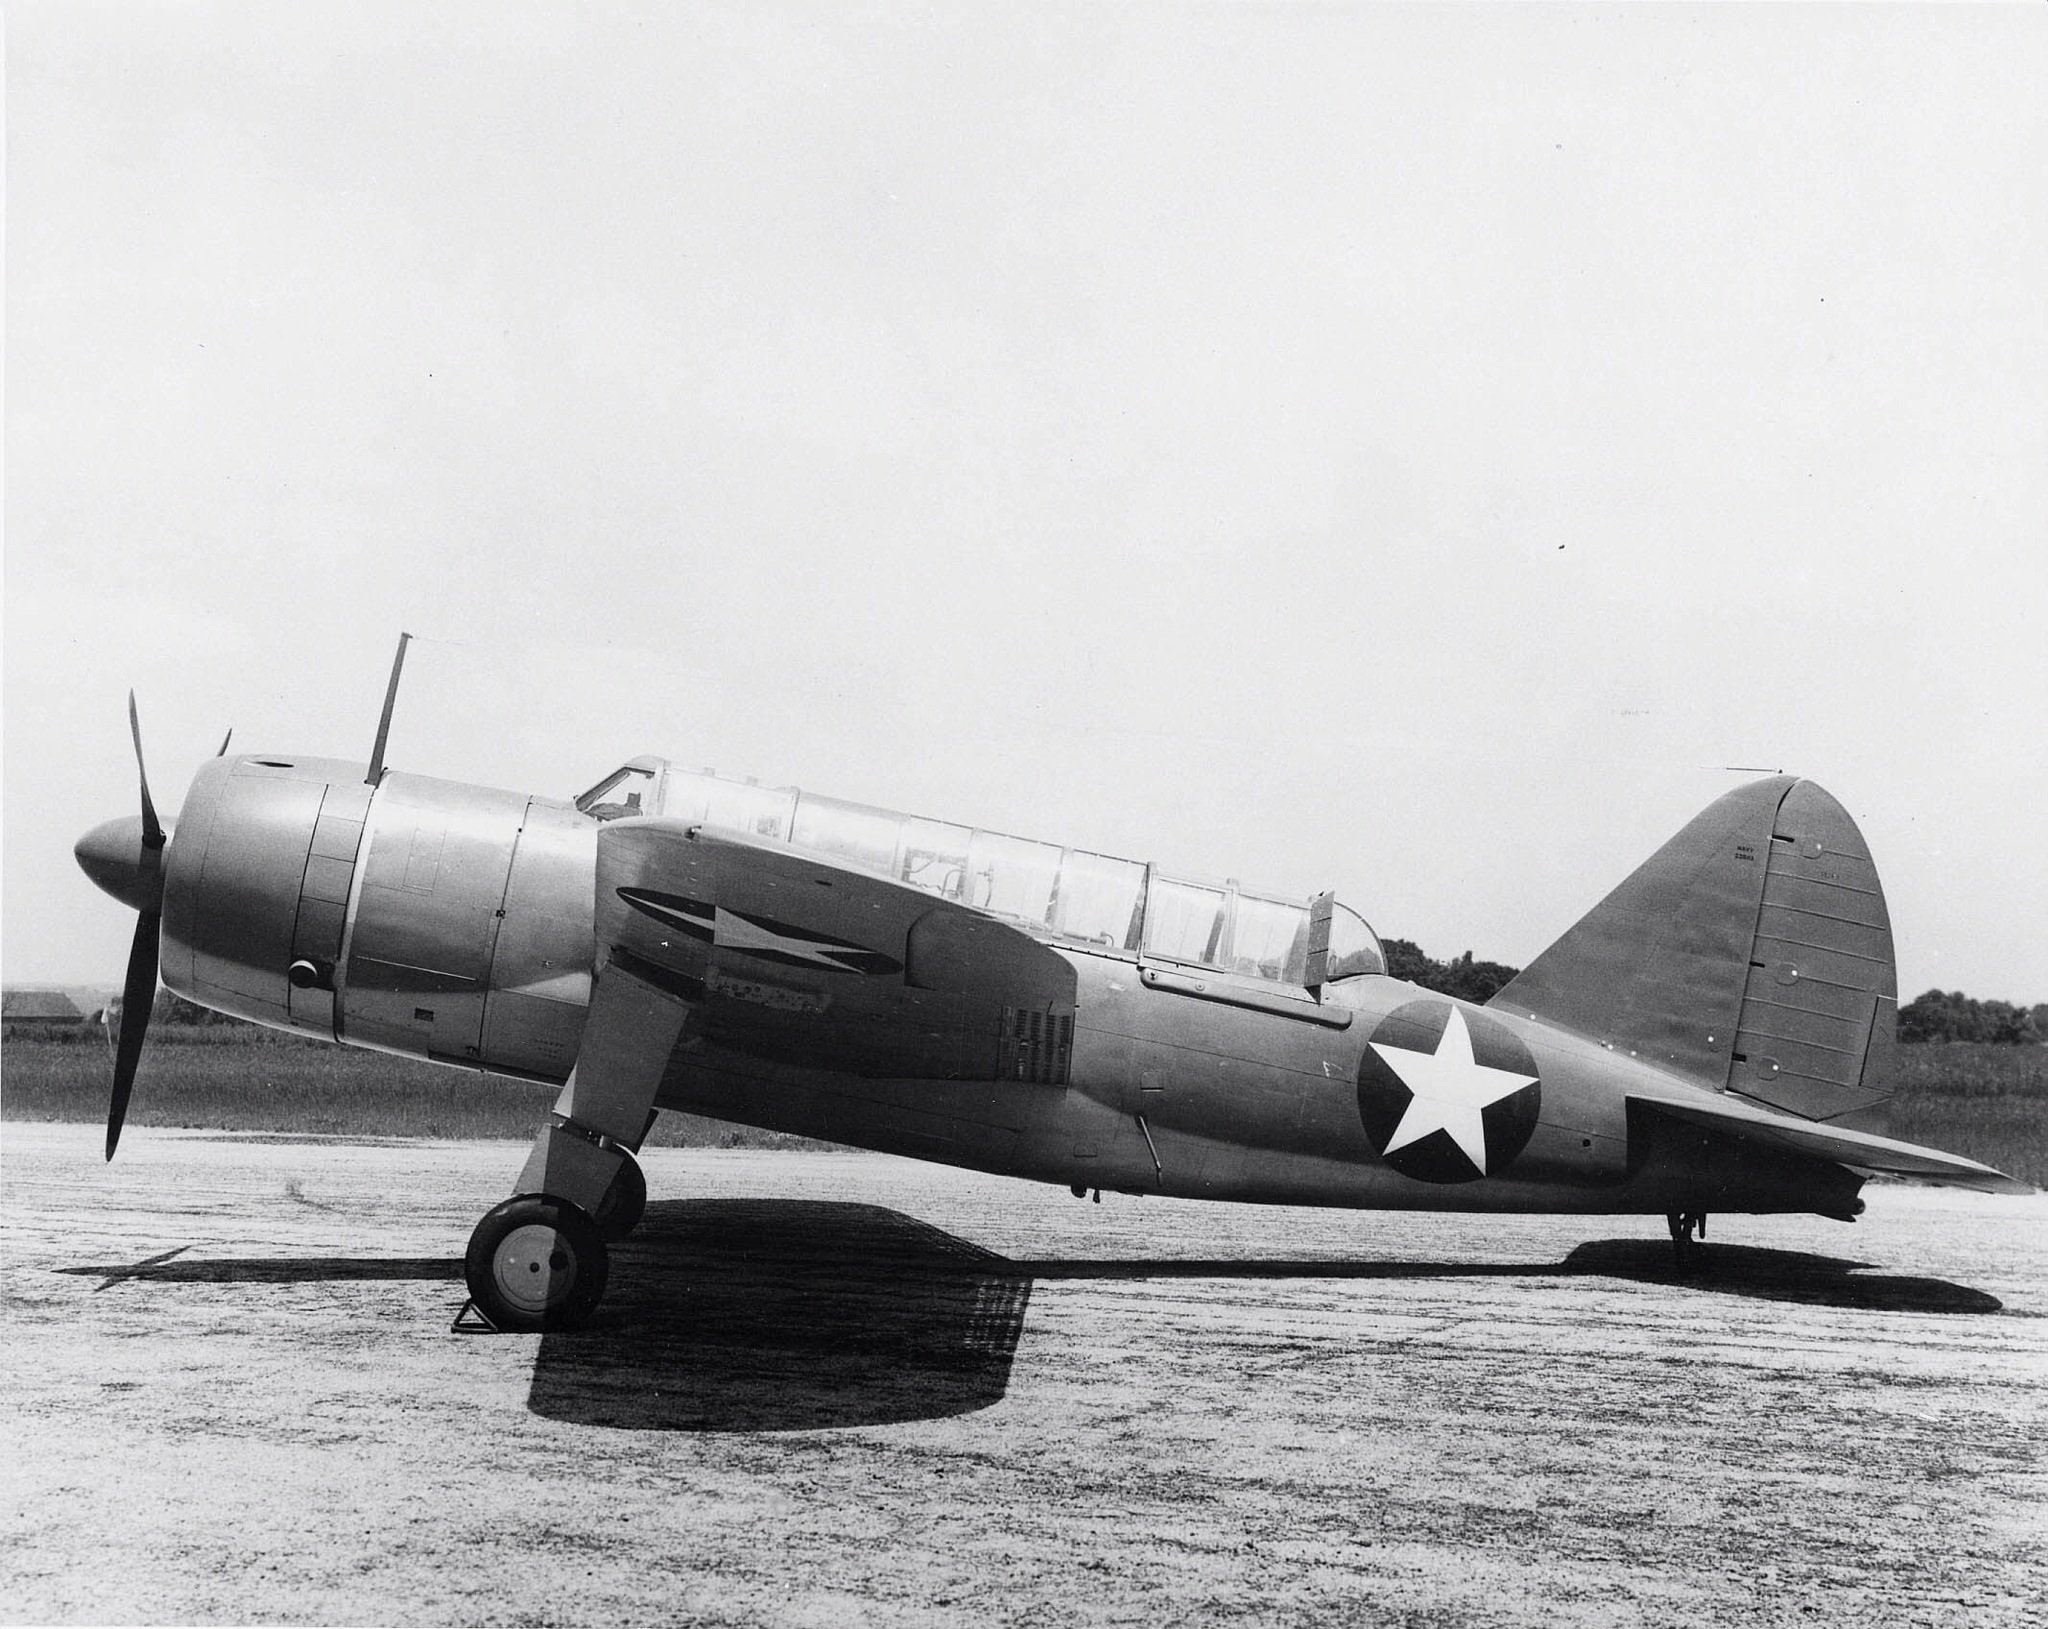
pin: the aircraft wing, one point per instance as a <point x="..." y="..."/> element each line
<point x="1863" y="1150"/>
<point x="795" y="957"/>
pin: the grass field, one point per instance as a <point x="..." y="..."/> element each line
<point x="237" y="1079"/>
<point x="1969" y="1097"/>
<point x="1988" y="1102"/>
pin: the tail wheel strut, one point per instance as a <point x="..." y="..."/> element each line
<point x="1686" y="1227"/>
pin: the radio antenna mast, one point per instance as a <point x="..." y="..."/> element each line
<point x="384" y="724"/>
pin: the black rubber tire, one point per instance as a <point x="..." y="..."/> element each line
<point x="624" y="1202"/>
<point x="536" y="1263"/>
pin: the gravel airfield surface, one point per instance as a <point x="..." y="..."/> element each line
<point x="845" y="1389"/>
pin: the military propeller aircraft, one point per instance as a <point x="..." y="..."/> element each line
<point x="1714" y="1036"/>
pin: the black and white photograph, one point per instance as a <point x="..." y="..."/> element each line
<point x="891" y="814"/>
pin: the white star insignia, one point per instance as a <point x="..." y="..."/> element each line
<point x="736" y="932"/>
<point x="1450" y="1088"/>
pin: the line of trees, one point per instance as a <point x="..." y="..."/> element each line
<point x="1949" y="1015"/>
<point x="1468" y="980"/>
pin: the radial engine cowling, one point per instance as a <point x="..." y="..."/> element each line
<point x="420" y="916"/>
<point x="256" y="884"/>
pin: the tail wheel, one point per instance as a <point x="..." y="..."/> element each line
<point x="624" y="1202"/>
<point x="536" y="1263"/>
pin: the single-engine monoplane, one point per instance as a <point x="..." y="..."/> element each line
<point x="1714" y="1036"/>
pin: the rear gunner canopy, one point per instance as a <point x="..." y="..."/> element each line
<point x="1120" y="906"/>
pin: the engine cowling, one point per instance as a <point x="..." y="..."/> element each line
<point x="244" y="902"/>
<point x="420" y="916"/>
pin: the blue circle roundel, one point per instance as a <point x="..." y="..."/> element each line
<point x="1447" y="1093"/>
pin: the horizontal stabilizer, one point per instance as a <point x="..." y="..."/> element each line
<point x="1865" y="1151"/>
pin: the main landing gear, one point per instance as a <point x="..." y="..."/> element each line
<point x="1686" y="1227"/>
<point x="538" y="1262"/>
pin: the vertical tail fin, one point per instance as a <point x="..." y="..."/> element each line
<point x="1751" y="953"/>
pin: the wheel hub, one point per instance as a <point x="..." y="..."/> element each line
<point x="534" y="1268"/>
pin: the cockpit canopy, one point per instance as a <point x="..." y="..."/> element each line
<point x="1084" y="898"/>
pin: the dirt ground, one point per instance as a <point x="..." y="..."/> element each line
<point x="841" y="1389"/>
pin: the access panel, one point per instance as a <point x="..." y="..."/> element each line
<point x="435" y="859"/>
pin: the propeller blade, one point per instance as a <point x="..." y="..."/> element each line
<point x="224" y="740"/>
<point x="138" y="996"/>
<point x="152" y="828"/>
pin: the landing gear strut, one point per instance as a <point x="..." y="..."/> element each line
<point x="1685" y="1227"/>
<point x="624" y="1202"/>
<point x="539" y="1260"/>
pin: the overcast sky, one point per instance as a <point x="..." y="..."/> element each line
<point x="1406" y="449"/>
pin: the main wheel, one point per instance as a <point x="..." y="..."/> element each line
<point x="624" y="1202"/>
<point x="536" y="1263"/>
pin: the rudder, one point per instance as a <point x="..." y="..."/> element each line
<point x="1820" y="1005"/>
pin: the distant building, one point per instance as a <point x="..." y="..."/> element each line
<point x="40" y="1010"/>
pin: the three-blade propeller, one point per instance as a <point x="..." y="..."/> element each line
<point x="138" y="990"/>
<point x="125" y="857"/>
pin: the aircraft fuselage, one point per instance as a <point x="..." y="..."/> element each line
<point x="456" y="923"/>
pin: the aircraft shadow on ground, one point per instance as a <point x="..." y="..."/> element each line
<point x="763" y="1315"/>
<point x="782" y="1315"/>
<point x="1769" y="1275"/>
<point x="1779" y="1275"/>
<point x="175" y="1267"/>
